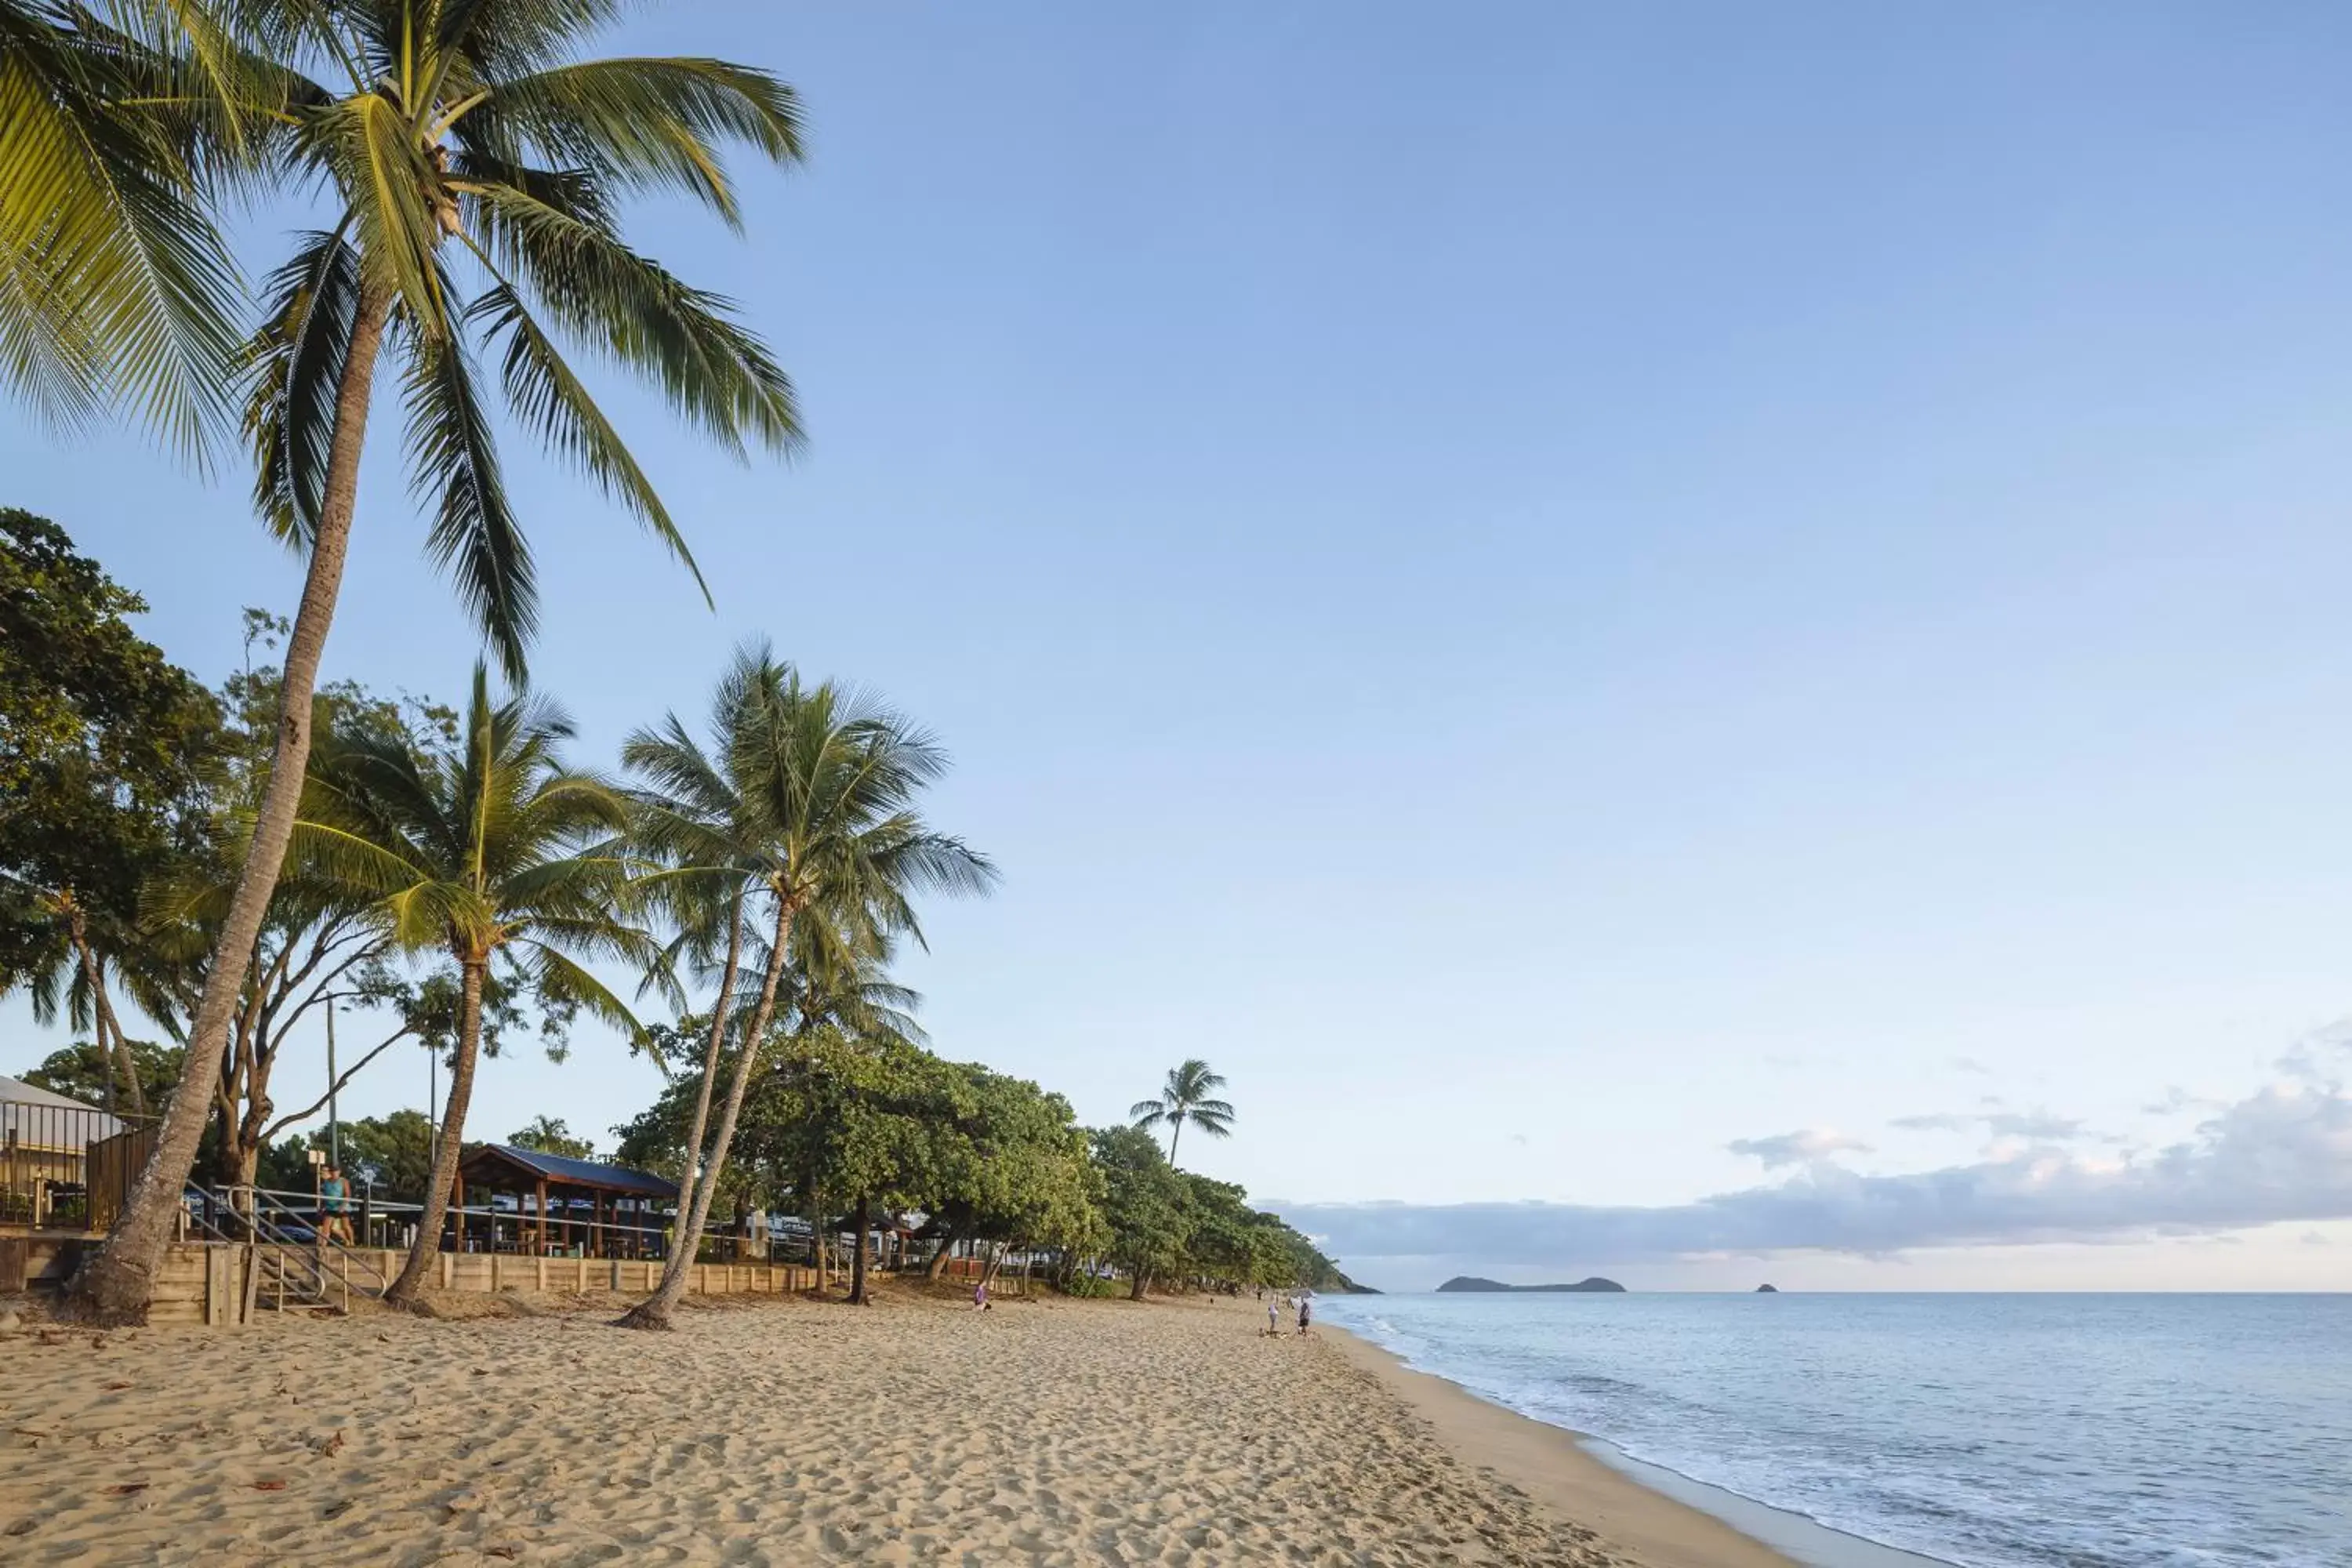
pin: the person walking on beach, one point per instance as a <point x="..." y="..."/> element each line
<point x="334" y="1206"/>
<point x="1273" y="1320"/>
<point x="1304" y="1311"/>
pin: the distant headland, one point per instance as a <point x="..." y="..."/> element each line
<point x="1472" y="1283"/>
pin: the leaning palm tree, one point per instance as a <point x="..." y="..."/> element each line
<point x="809" y="802"/>
<point x="492" y="851"/>
<point x="470" y="166"/>
<point x="1185" y="1098"/>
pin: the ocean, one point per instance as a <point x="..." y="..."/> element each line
<point x="1986" y="1431"/>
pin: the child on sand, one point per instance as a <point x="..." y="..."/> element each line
<point x="980" y="1298"/>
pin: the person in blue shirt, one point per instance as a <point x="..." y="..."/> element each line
<point x="334" y="1206"/>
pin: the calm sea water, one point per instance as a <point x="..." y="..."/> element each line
<point x="1990" y="1431"/>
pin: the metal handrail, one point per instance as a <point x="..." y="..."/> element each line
<point x="264" y="1220"/>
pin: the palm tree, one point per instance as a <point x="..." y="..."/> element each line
<point x="62" y="961"/>
<point x="1185" y="1098"/>
<point x="471" y="166"/>
<point x="693" y="820"/>
<point x="808" y="805"/>
<point x="492" y="850"/>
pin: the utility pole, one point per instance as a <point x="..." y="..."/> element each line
<point x="334" y="1128"/>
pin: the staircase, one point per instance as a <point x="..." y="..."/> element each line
<point x="293" y="1271"/>
<point x="290" y="1282"/>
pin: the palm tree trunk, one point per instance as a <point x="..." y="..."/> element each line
<point x="686" y="1183"/>
<point x="118" y="1280"/>
<point x="857" y="1253"/>
<point x="1175" y="1131"/>
<point x="128" y="1063"/>
<point x="428" y="1245"/>
<point x="653" y="1311"/>
<point x="108" y="1030"/>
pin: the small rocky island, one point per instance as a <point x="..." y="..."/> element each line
<point x="1472" y="1283"/>
<point x="1768" y="1289"/>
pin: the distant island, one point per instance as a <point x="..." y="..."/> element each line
<point x="1768" y="1289"/>
<point x="1472" y="1283"/>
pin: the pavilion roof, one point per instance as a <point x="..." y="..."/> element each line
<point x="494" y="1160"/>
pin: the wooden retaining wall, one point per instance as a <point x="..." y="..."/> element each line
<point x="216" y="1284"/>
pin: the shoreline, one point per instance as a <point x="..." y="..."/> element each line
<point x="1655" y="1515"/>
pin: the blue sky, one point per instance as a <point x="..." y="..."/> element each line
<point x="1552" y="590"/>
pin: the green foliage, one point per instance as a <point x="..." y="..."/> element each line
<point x="104" y="746"/>
<point x="472" y="177"/>
<point x="394" y="1152"/>
<point x="1013" y="1166"/>
<point x="549" y="1135"/>
<point x="115" y="285"/>
<point x="80" y="1071"/>
<point x="1147" y="1206"/>
<point x="492" y="847"/>
<point x="1187" y="1097"/>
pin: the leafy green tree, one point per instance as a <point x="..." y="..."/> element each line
<point x="84" y="1072"/>
<point x="1014" y="1168"/>
<point x="321" y="945"/>
<point x="549" y="1135"/>
<point x="471" y="167"/>
<point x="1186" y="1097"/>
<point x="809" y="797"/>
<point x="492" y="851"/>
<point x="1218" y="1243"/>
<point x="1146" y="1207"/>
<point x="104" y="752"/>
<point x="391" y="1157"/>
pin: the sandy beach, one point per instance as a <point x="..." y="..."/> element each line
<point x="916" y="1431"/>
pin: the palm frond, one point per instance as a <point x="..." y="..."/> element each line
<point x="115" y="284"/>
<point x="644" y="124"/>
<point x="453" y="466"/>
<point x="297" y="360"/>
<point x="716" y="374"/>
<point x="549" y="398"/>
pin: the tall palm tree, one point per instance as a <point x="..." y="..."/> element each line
<point x="1185" y="1098"/>
<point x="493" y="851"/>
<point x="695" y="824"/>
<point x="470" y="164"/>
<point x="809" y="800"/>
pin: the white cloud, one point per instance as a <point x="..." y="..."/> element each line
<point x="2282" y="1154"/>
<point x="2038" y="1125"/>
<point x="1800" y="1148"/>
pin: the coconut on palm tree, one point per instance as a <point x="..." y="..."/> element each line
<point x="805" y="804"/>
<point x="492" y="851"/>
<point x="1186" y="1098"/>
<point x="470" y="165"/>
